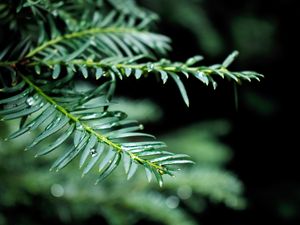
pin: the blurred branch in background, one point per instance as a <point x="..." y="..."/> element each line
<point x="190" y="15"/>
<point x="254" y="36"/>
<point x="28" y="189"/>
<point x="218" y="27"/>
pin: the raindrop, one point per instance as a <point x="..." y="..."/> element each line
<point x="93" y="152"/>
<point x="54" y="13"/>
<point x="214" y="85"/>
<point x="150" y="67"/>
<point x="30" y="101"/>
<point x="118" y="114"/>
<point x="172" y="202"/>
<point x="57" y="190"/>
<point x="79" y="127"/>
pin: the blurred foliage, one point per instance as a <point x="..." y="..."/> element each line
<point x="205" y="147"/>
<point x="257" y="31"/>
<point x="191" y="15"/>
<point x="143" y="110"/>
<point x="28" y="189"/>
<point x="217" y="27"/>
<point x="259" y="104"/>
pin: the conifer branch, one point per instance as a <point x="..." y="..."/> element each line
<point x="112" y="40"/>
<point x="89" y="32"/>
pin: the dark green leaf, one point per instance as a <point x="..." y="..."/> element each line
<point x="157" y="176"/>
<point x="122" y="45"/>
<point x="132" y="170"/>
<point x="164" y="76"/>
<point x="130" y="134"/>
<point x="181" y="88"/>
<point x="169" y="157"/>
<point x="108" y="19"/>
<point x="79" y="135"/>
<point x="91" y="143"/>
<point x="56" y="71"/>
<point x="153" y="152"/>
<point x="99" y="73"/>
<point x="110" y="168"/>
<point x="194" y="60"/>
<point x="148" y="172"/>
<point x="58" y="142"/>
<point x="107" y="160"/>
<point x="128" y="71"/>
<point x="35" y="123"/>
<point x="94" y="159"/>
<point x="67" y="158"/>
<point x="127" y="162"/>
<point x="230" y="59"/>
<point x="78" y="51"/>
<point x="37" y="69"/>
<point x="84" y="71"/>
<point x="24" y="112"/>
<point x="16" y="97"/>
<point x="175" y="162"/>
<point x="113" y="46"/>
<point x="55" y="126"/>
<point x="202" y="76"/>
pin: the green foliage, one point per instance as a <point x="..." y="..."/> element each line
<point x="191" y="16"/>
<point x="60" y="43"/>
<point x="192" y="191"/>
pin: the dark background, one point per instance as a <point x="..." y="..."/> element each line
<point x="265" y="122"/>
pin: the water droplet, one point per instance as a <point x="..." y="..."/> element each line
<point x="57" y="190"/>
<point x="184" y="192"/>
<point x="30" y="101"/>
<point x="118" y="114"/>
<point x="150" y="67"/>
<point x="54" y="13"/>
<point x="79" y="127"/>
<point x="93" y="152"/>
<point x="172" y="202"/>
<point x="214" y="85"/>
<point x="141" y="126"/>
